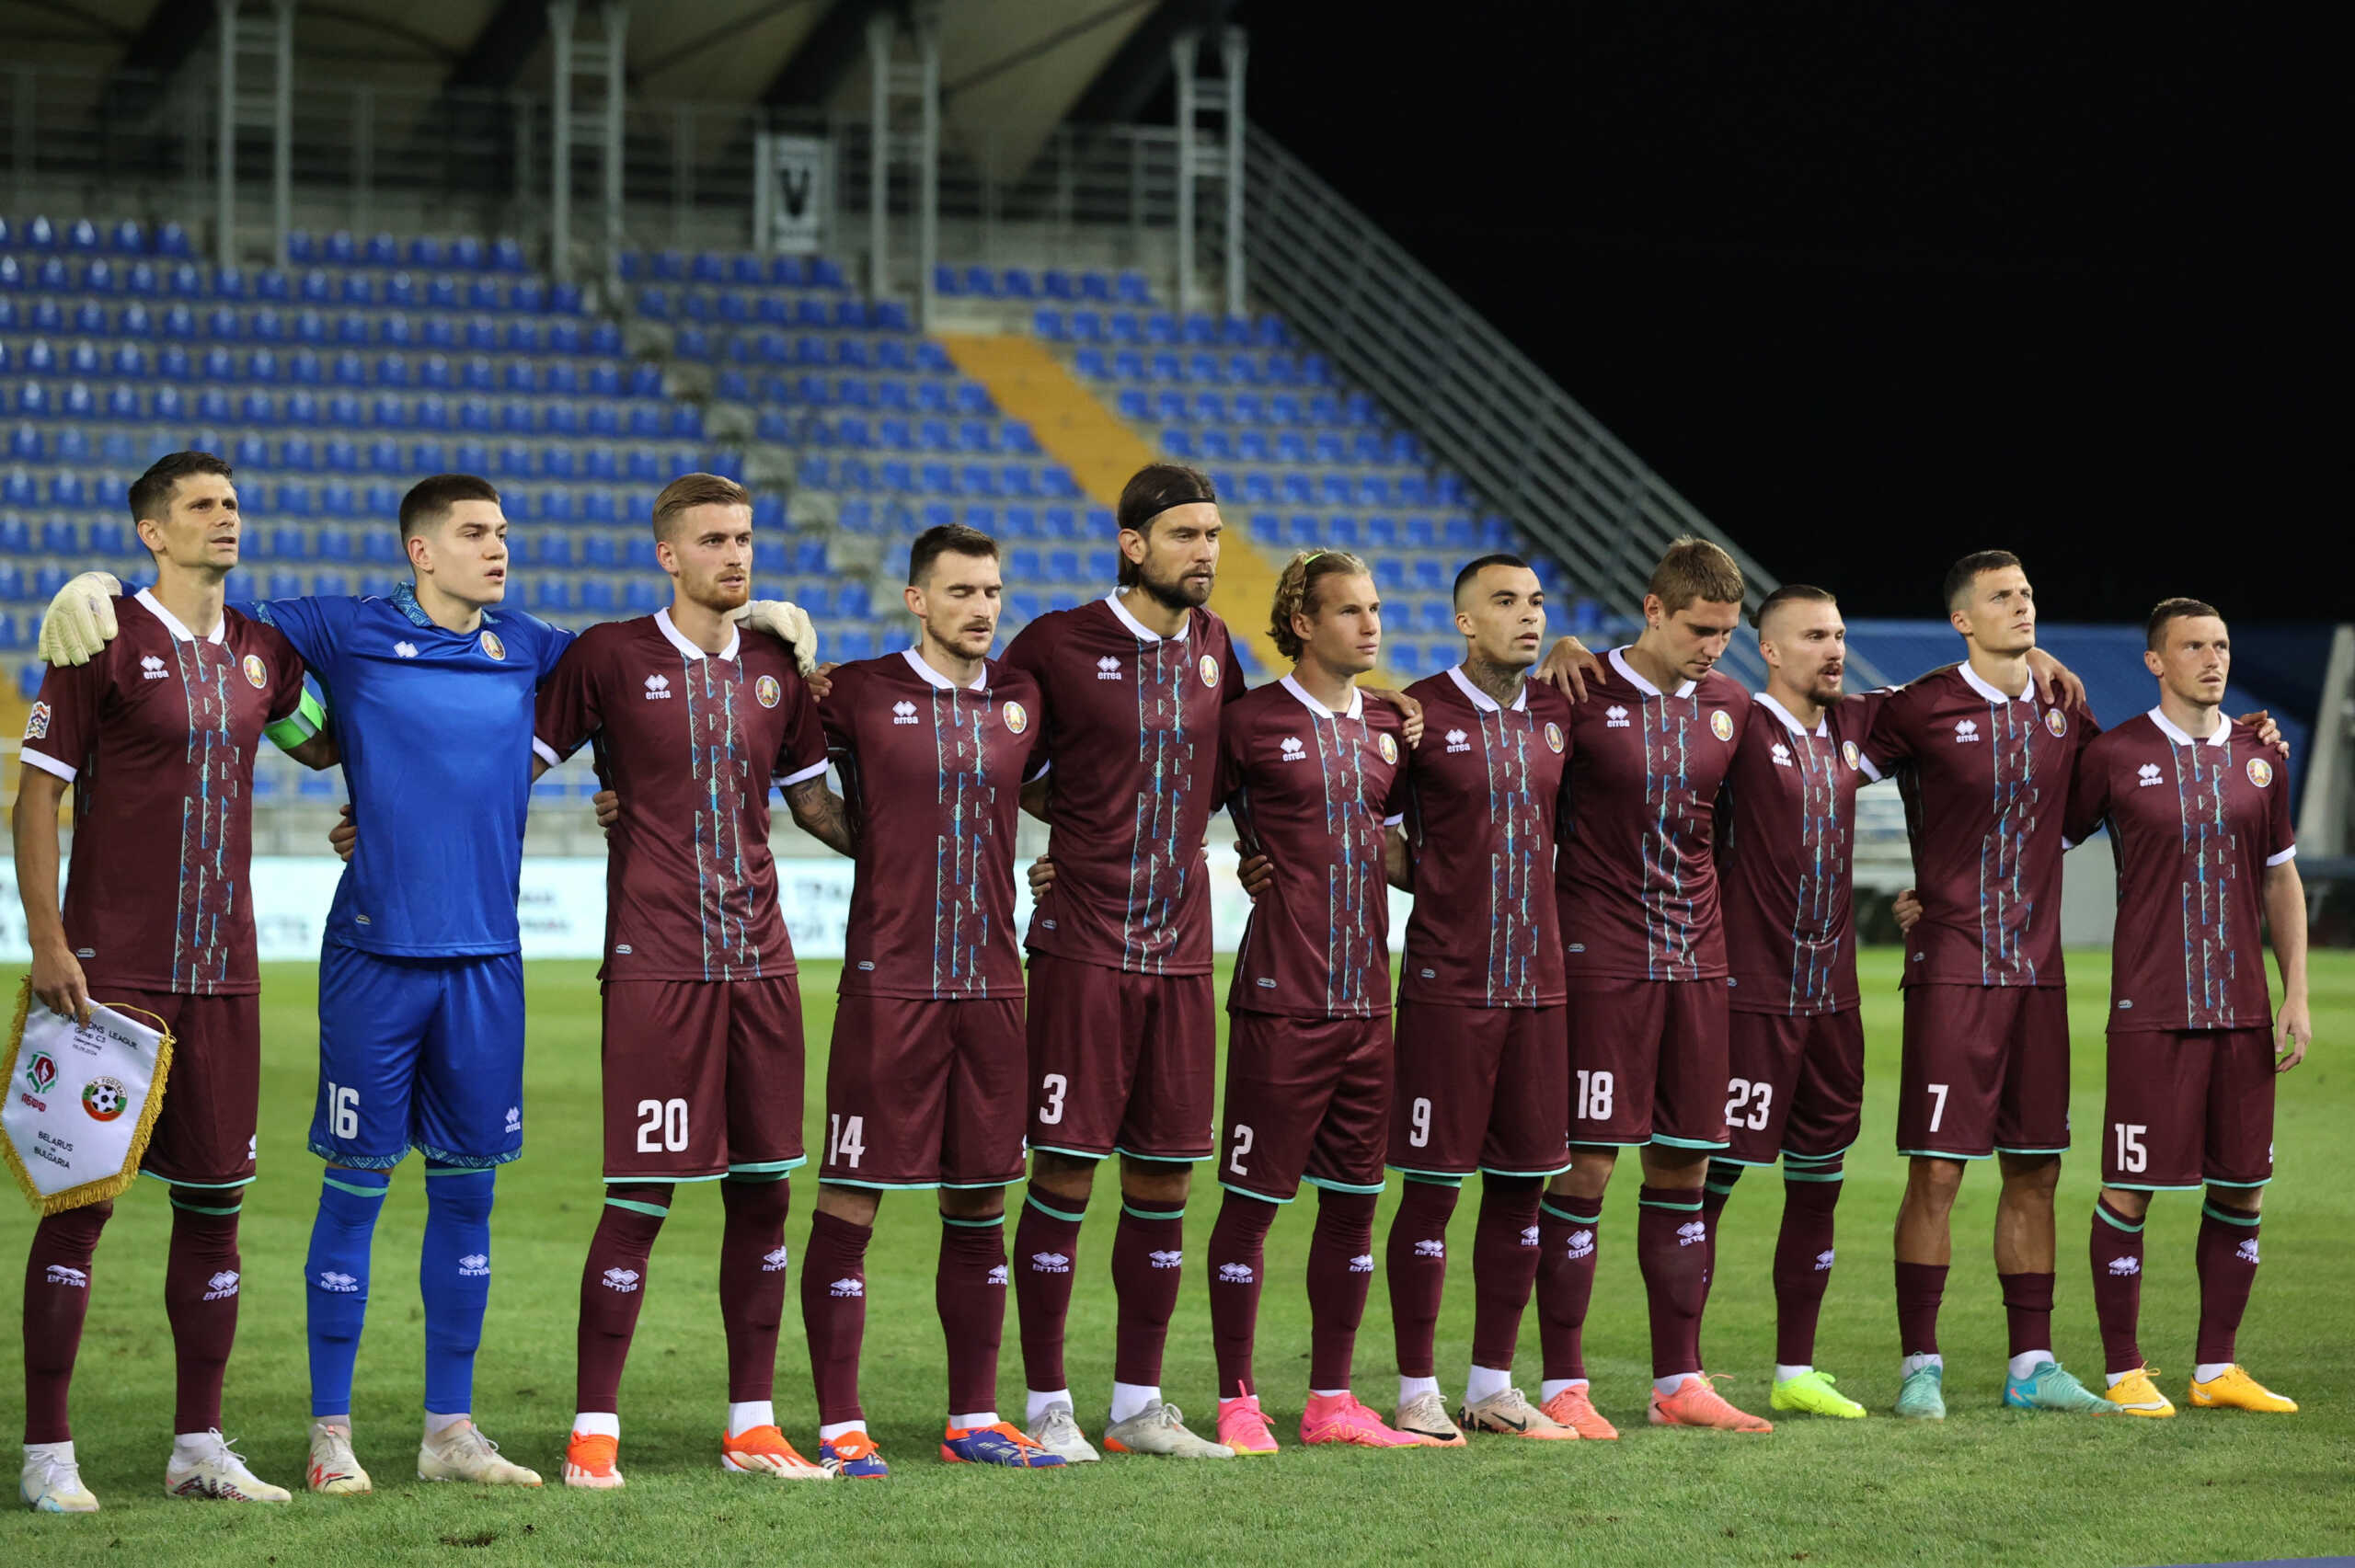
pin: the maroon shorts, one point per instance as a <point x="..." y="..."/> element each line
<point x="1480" y="1089"/>
<point x="1307" y="1099"/>
<point x="1986" y="1071"/>
<point x="2185" y="1109"/>
<point x="1121" y="1063"/>
<point x="924" y="1093"/>
<point x="204" y="1135"/>
<point x="703" y="1078"/>
<point x="1647" y="1063"/>
<point x="1793" y="1085"/>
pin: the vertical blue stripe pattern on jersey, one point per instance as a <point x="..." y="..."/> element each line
<point x="1513" y="875"/>
<point x="200" y="960"/>
<point x="1348" y="917"/>
<point x="1825" y="847"/>
<point x="723" y="884"/>
<point x="1667" y="758"/>
<point x="2005" y="909"/>
<point x="1158" y="863"/>
<point x="960" y="930"/>
<point x="2207" y="861"/>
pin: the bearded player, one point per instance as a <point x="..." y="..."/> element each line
<point x="1644" y="967"/>
<point x="156" y="736"/>
<point x="925" y="1083"/>
<point x="1482" y="1058"/>
<point x="1311" y="774"/>
<point x="2199" y="817"/>
<point x="692" y="720"/>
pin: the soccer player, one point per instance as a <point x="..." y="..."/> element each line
<point x="1482" y="1059"/>
<point x="1795" y="1042"/>
<point x="2199" y="817"/>
<point x="1644" y="967"/>
<point x="1312" y="775"/>
<point x="156" y="736"/>
<point x="1120" y="1030"/>
<point x="692" y="719"/>
<point x="925" y="1083"/>
<point x="1985" y="768"/>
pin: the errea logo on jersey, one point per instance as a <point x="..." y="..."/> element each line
<point x="1615" y="717"/>
<point x="657" y="687"/>
<point x="1107" y="668"/>
<point x="1458" y="741"/>
<point x="405" y="651"/>
<point x="151" y="667"/>
<point x="904" y="712"/>
<point x="1782" y="755"/>
<point x="1966" y="730"/>
<point x="1292" y="749"/>
<point x="2148" y="773"/>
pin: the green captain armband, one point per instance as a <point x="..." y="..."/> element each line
<point x="309" y="718"/>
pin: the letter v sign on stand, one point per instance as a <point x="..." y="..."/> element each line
<point x="794" y="194"/>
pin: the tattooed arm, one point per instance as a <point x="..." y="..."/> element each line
<point x="820" y="811"/>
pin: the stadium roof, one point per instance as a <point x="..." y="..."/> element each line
<point x="1012" y="68"/>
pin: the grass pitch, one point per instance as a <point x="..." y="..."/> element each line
<point x="1988" y="1484"/>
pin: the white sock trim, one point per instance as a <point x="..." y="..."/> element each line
<point x="1327" y="1393"/>
<point x="1552" y="1386"/>
<point x="972" y="1420"/>
<point x="2028" y="1361"/>
<point x="829" y="1431"/>
<point x="745" y="1415"/>
<point x="1410" y="1388"/>
<point x="1133" y="1399"/>
<point x="1673" y="1381"/>
<point x="1783" y="1374"/>
<point x="1914" y="1363"/>
<point x="2206" y="1372"/>
<point x="1485" y="1382"/>
<point x="597" y="1424"/>
<point x="50" y="1453"/>
<point x="1038" y="1401"/>
<point x="436" y="1424"/>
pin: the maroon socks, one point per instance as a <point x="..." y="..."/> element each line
<point x="200" y="1286"/>
<point x="2227" y="1257"/>
<point x="1567" y="1232"/>
<point x="834" y="1312"/>
<point x="1046" y="1251"/>
<point x="751" y="1283"/>
<point x="1148" y="1259"/>
<point x="1340" y="1272"/>
<point x="613" y="1285"/>
<point x="1504" y="1266"/>
<point x="1238" y="1267"/>
<point x="1672" y="1249"/>
<point x="1802" y="1261"/>
<point x="57" y="1297"/>
<point x="970" y="1292"/>
<point x="1920" y="1287"/>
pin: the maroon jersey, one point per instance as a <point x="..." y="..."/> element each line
<point x="157" y="737"/>
<point x="1131" y="735"/>
<point x="1786" y="824"/>
<point x="1313" y="791"/>
<point x="691" y="743"/>
<point x="932" y="774"/>
<point x="2193" y="824"/>
<point x="1636" y="878"/>
<point x="1985" y="777"/>
<point x="1481" y="792"/>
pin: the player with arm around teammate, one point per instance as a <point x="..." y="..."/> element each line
<point x="2199" y="817"/>
<point x="157" y="737"/>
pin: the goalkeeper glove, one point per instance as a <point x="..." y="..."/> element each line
<point x="80" y="621"/>
<point x="788" y="622"/>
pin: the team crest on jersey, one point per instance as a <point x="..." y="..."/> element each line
<point x="1388" y="747"/>
<point x="1208" y="667"/>
<point x="766" y="692"/>
<point x="37" y="723"/>
<point x="1018" y="718"/>
<point x="1721" y="724"/>
<point x="2260" y="772"/>
<point x="1553" y="736"/>
<point x="1850" y="755"/>
<point x="2056" y="721"/>
<point x="492" y="646"/>
<point x="257" y="673"/>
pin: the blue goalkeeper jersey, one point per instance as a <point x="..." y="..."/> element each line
<point x="435" y="729"/>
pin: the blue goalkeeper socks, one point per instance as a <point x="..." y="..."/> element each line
<point x="336" y="1275"/>
<point x="454" y="1275"/>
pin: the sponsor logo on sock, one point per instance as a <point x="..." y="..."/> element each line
<point x="1050" y="1263"/>
<point x="1235" y="1274"/>
<point x="2246" y="1251"/>
<point x="1692" y="1230"/>
<point x="1166" y="1258"/>
<point x="847" y="1288"/>
<point x="1823" y="1260"/>
<point x="997" y="1276"/>
<point x="2125" y="1266"/>
<point x="1430" y="1247"/>
<point x="1529" y="1235"/>
<point x="474" y="1265"/>
<point x="775" y="1260"/>
<point x="340" y="1284"/>
<point x="1361" y="1264"/>
<point x="622" y="1279"/>
<point x="1581" y="1245"/>
<point x="59" y="1274"/>
<point x="221" y="1285"/>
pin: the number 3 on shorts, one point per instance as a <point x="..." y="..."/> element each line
<point x="1053" y="1086"/>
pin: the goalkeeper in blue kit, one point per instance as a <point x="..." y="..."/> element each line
<point x="430" y="698"/>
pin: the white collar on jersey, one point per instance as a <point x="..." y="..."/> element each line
<point x="1638" y="682"/>
<point x="1481" y="699"/>
<point x="735" y="638"/>
<point x="153" y="606"/>
<point x="1986" y="688"/>
<point x="1357" y="699"/>
<point x="916" y="663"/>
<point x="1137" y="627"/>
<point x="2215" y="737"/>
<point x="1823" y="724"/>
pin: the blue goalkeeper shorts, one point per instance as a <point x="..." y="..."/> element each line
<point x="418" y="1053"/>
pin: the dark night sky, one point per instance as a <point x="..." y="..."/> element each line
<point x="1873" y="284"/>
